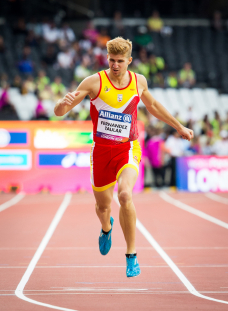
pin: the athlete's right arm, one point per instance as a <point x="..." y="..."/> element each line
<point x="89" y="86"/>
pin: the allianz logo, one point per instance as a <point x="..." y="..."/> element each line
<point x="115" y="116"/>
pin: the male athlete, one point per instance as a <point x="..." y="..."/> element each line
<point x="116" y="153"/>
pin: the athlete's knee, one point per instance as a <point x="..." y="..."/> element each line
<point x="124" y="197"/>
<point x="103" y="207"/>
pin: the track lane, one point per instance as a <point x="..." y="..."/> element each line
<point x="23" y="225"/>
<point x="162" y="289"/>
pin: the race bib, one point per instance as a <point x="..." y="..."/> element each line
<point x="114" y="125"/>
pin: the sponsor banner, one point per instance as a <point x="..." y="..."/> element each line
<point x="15" y="159"/>
<point x="9" y="138"/>
<point x="65" y="160"/>
<point x="202" y="173"/>
<point x="56" y="157"/>
<point x="61" y="138"/>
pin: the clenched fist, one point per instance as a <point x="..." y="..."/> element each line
<point x="186" y="133"/>
<point x="63" y="105"/>
<point x="69" y="98"/>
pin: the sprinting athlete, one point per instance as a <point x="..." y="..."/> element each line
<point x="116" y="153"/>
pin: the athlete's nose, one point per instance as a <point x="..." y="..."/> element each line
<point x="115" y="65"/>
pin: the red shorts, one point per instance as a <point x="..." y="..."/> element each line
<point x="108" y="161"/>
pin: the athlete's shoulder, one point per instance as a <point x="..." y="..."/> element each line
<point x="141" y="80"/>
<point x="93" y="78"/>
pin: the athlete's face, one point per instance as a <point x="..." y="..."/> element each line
<point x="118" y="63"/>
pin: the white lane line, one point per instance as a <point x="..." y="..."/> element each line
<point x="12" y="201"/>
<point x="192" y="210"/>
<point x="216" y="198"/>
<point x="169" y="261"/>
<point x="19" y="290"/>
<point x="116" y="248"/>
<point x="102" y="267"/>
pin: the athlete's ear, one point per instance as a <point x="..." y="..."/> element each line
<point x="130" y="60"/>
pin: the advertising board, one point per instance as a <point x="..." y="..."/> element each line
<point x="49" y="156"/>
<point x="202" y="173"/>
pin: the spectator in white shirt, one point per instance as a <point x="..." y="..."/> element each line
<point x="67" y="33"/>
<point x="50" y="33"/>
<point x="174" y="144"/>
<point x="220" y="147"/>
<point x="65" y="59"/>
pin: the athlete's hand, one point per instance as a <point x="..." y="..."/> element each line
<point x="186" y="133"/>
<point x="69" y="98"/>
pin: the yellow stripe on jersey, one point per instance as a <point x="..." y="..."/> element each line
<point x="116" y="98"/>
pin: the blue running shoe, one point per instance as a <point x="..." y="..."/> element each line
<point x="132" y="268"/>
<point x="105" y="240"/>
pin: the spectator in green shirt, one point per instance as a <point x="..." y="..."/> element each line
<point x="42" y="80"/>
<point x="187" y="76"/>
<point x="156" y="64"/>
<point x="172" y="80"/>
<point x="57" y="87"/>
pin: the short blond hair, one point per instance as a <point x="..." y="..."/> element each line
<point x="119" y="46"/>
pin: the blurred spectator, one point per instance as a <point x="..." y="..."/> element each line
<point x="175" y="147"/>
<point x="7" y="110"/>
<point x="40" y="112"/>
<point x="143" y="115"/>
<point x="156" y="64"/>
<point x="143" y="38"/>
<point x="206" y="127"/>
<point x="154" y="152"/>
<point x="42" y="80"/>
<point x="25" y="64"/>
<point x="57" y="87"/>
<point x="17" y="82"/>
<point x="75" y="51"/>
<point x="30" y="84"/>
<point x="2" y="45"/>
<point x="217" y="22"/>
<point x="117" y="25"/>
<point x="171" y="80"/>
<point x="187" y="76"/>
<point x="83" y="113"/>
<point x="65" y="59"/>
<point x="158" y="80"/>
<point x="31" y="39"/>
<point x="195" y="147"/>
<point x="225" y="123"/>
<point x="103" y="38"/>
<point x="85" y="44"/>
<point x="90" y="33"/>
<point x="216" y="123"/>
<point x="49" y="59"/>
<point x="3" y="79"/>
<point x="50" y="32"/>
<point x="20" y="27"/>
<point x="143" y="66"/>
<point x="46" y="93"/>
<point x="67" y="33"/>
<point x="36" y="27"/>
<point x="82" y="71"/>
<point x="207" y="148"/>
<point x="155" y="23"/>
<point x="220" y="147"/>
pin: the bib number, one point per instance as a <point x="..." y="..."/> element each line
<point x="114" y="125"/>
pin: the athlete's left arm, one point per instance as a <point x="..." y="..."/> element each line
<point x="157" y="110"/>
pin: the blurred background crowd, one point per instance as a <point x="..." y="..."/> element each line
<point x="43" y="57"/>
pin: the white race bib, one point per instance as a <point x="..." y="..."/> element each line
<point x="114" y="125"/>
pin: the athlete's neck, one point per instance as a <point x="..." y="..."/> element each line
<point x="121" y="80"/>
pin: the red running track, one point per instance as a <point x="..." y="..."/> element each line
<point x="72" y="274"/>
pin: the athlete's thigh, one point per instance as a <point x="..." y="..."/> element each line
<point x="127" y="179"/>
<point x="104" y="198"/>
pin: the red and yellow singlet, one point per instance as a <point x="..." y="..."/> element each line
<point x="115" y="133"/>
